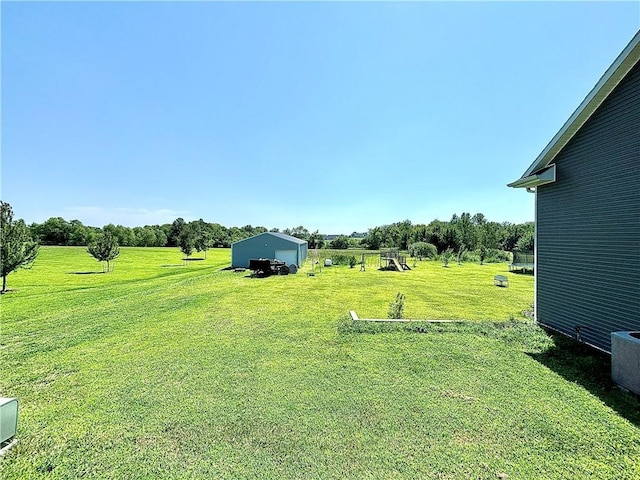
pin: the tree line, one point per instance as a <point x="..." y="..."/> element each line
<point x="462" y="233"/>
<point x="58" y="231"/>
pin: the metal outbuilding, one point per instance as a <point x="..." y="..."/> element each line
<point x="587" y="187"/>
<point x="279" y="246"/>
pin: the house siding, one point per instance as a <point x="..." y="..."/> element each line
<point x="588" y="225"/>
<point x="265" y="245"/>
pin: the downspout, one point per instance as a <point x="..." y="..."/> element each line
<point x="534" y="190"/>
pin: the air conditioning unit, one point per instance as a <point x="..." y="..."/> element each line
<point x="8" y="419"/>
<point x="625" y="360"/>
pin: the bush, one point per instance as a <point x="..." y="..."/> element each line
<point x="343" y="259"/>
<point x="396" y="307"/>
<point x="526" y="241"/>
<point x="445" y="256"/>
<point x="340" y="243"/>
<point x="422" y="250"/>
<point x="497" y="256"/>
<point x="491" y="255"/>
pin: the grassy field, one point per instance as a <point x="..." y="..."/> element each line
<point x="158" y="370"/>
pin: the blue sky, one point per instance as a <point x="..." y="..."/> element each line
<point x="336" y="116"/>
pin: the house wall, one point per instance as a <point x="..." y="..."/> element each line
<point x="263" y="245"/>
<point x="588" y="225"/>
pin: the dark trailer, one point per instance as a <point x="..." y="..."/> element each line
<point x="263" y="267"/>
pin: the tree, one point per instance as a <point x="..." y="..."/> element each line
<point x="104" y="249"/>
<point x="445" y="256"/>
<point x="203" y="236"/>
<point x="396" y="307"/>
<point x="373" y="240"/>
<point x="423" y="249"/>
<point x="299" y="232"/>
<point x="465" y="231"/>
<point x="340" y="243"/>
<point x="79" y="234"/>
<point x="186" y="241"/>
<point x="55" y="231"/>
<point x="17" y="249"/>
<point x="176" y="228"/>
<point x="527" y="241"/>
<point x="316" y="240"/>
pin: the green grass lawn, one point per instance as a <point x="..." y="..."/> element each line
<point x="158" y="370"/>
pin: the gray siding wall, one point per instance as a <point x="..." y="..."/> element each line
<point x="588" y="225"/>
<point x="263" y="246"/>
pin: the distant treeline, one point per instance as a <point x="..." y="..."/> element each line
<point x="464" y="232"/>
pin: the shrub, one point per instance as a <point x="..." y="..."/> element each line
<point x="396" y="307"/>
<point x="445" y="256"/>
<point x="340" y="243"/>
<point x="422" y="250"/>
<point x="526" y="241"/>
<point x="496" y="256"/>
<point x="343" y="259"/>
<point x="491" y="255"/>
<point x="482" y="253"/>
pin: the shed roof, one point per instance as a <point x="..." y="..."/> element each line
<point x="607" y="83"/>
<point x="274" y="234"/>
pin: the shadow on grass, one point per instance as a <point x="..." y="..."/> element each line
<point x="527" y="273"/>
<point x="85" y="273"/>
<point x="171" y="266"/>
<point x="590" y="369"/>
<point x="575" y="362"/>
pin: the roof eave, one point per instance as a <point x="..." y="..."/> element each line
<point x="543" y="177"/>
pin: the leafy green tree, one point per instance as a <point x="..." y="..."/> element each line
<point x="79" y="234"/>
<point x="479" y="219"/>
<point x="125" y="236"/>
<point x="299" y="232"/>
<point x="482" y="253"/>
<point x="176" y="228"/>
<point x="17" y="249"/>
<point x="402" y="234"/>
<point x="419" y="233"/>
<point x="186" y="241"/>
<point x="54" y="231"/>
<point x="445" y="256"/>
<point x="465" y="232"/>
<point x="526" y="241"/>
<point x="373" y="240"/>
<point x="104" y="249"/>
<point x="145" y="236"/>
<point x="422" y="250"/>
<point x="340" y="243"/>
<point x="316" y="240"/>
<point x="219" y="235"/>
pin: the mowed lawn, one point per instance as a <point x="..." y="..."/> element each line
<point x="159" y="370"/>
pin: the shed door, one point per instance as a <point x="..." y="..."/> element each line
<point x="287" y="256"/>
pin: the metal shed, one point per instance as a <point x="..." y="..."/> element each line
<point x="286" y="248"/>
<point x="587" y="259"/>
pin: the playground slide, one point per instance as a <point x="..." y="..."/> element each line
<point x="397" y="265"/>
